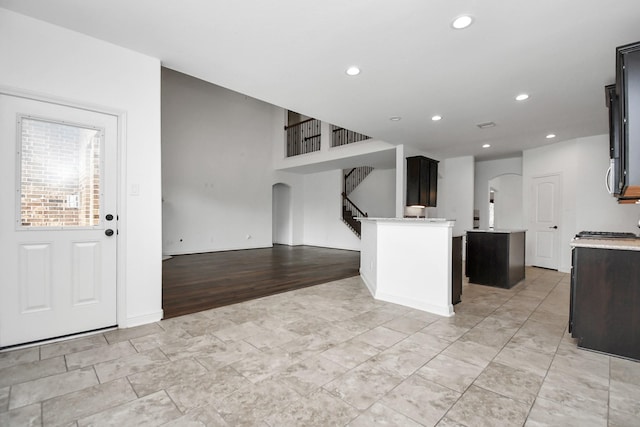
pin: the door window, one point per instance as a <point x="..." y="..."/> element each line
<point x="59" y="167"/>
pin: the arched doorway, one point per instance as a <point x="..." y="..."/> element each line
<point x="505" y="202"/>
<point x="281" y="214"/>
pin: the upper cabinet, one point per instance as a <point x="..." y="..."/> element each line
<point x="624" y="116"/>
<point x="422" y="181"/>
<point x="615" y="174"/>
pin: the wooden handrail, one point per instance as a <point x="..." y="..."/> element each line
<point x="344" y="196"/>
<point x="350" y="172"/>
<point x="298" y="124"/>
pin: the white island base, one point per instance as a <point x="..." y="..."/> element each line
<point x="407" y="261"/>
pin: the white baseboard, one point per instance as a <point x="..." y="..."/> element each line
<point x="370" y="286"/>
<point x="144" y="319"/>
<point x="446" y="310"/>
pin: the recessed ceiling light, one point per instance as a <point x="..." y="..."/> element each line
<point x="436" y="118"/>
<point x="395" y="118"/>
<point x="353" y="71"/>
<point x="462" y="22"/>
<point x="551" y="135"/>
<point x="522" y="97"/>
<point x="486" y="145"/>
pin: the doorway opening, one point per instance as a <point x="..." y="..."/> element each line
<point x="281" y="209"/>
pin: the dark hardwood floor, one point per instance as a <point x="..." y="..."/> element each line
<point x="197" y="282"/>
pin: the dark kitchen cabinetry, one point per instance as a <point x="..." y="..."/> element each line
<point x="495" y="258"/>
<point x="605" y="300"/>
<point x="624" y="125"/>
<point x="456" y="269"/>
<point x="615" y="177"/>
<point x="422" y="181"/>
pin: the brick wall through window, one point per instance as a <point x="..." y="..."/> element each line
<point x="60" y="175"/>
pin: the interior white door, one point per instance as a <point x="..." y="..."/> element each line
<point x="58" y="220"/>
<point x="545" y="227"/>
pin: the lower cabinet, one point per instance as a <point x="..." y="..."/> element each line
<point x="456" y="269"/>
<point x="605" y="300"/>
<point x="495" y="258"/>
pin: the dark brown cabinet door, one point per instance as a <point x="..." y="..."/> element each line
<point x="628" y="92"/>
<point x="604" y="314"/>
<point x="456" y="269"/>
<point x="495" y="259"/>
<point x="422" y="181"/>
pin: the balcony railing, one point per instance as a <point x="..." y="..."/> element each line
<point x="342" y="136"/>
<point x="303" y="137"/>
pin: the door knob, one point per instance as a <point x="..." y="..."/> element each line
<point x="555" y="227"/>
<point x="108" y="232"/>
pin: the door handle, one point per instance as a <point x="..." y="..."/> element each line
<point x="555" y="227"/>
<point x="108" y="232"/>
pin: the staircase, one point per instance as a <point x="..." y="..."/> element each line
<point x="352" y="178"/>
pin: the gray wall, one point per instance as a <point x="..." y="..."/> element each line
<point x="216" y="167"/>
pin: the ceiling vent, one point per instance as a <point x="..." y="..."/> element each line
<point x="486" y="125"/>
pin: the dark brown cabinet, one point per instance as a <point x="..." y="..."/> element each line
<point x="422" y="181"/>
<point x="605" y="300"/>
<point x="624" y="124"/>
<point x="495" y="258"/>
<point x="615" y="177"/>
<point x="456" y="269"/>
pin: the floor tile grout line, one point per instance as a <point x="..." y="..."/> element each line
<point x="553" y="292"/>
<point x="502" y="348"/>
<point x="550" y="363"/>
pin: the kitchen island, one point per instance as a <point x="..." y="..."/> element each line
<point x="408" y="261"/>
<point x="495" y="257"/>
<point x="605" y="295"/>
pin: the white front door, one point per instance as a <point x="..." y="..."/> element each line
<point x="58" y="220"/>
<point x="545" y="224"/>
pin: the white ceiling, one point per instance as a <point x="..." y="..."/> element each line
<point x="293" y="53"/>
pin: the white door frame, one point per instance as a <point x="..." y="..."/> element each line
<point x="121" y="193"/>
<point x="556" y="249"/>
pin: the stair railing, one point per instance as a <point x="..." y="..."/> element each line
<point x="350" y="206"/>
<point x="303" y="137"/>
<point x="354" y="177"/>
<point x="348" y="216"/>
<point x="341" y="136"/>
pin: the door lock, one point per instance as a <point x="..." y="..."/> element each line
<point x="108" y="232"/>
<point x="109" y="217"/>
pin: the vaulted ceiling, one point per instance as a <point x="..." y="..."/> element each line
<point x="414" y="65"/>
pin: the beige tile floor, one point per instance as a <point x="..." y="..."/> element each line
<point x="330" y="355"/>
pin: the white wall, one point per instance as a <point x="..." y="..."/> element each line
<point x="486" y="170"/>
<point x="455" y="192"/>
<point x="586" y="205"/>
<point x="217" y="177"/>
<point x="48" y="60"/>
<point x="376" y="194"/>
<point x="596" y="209"/>
<point x="323" y="224"/>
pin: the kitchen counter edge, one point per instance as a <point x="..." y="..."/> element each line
<point x="619" y="244"/>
